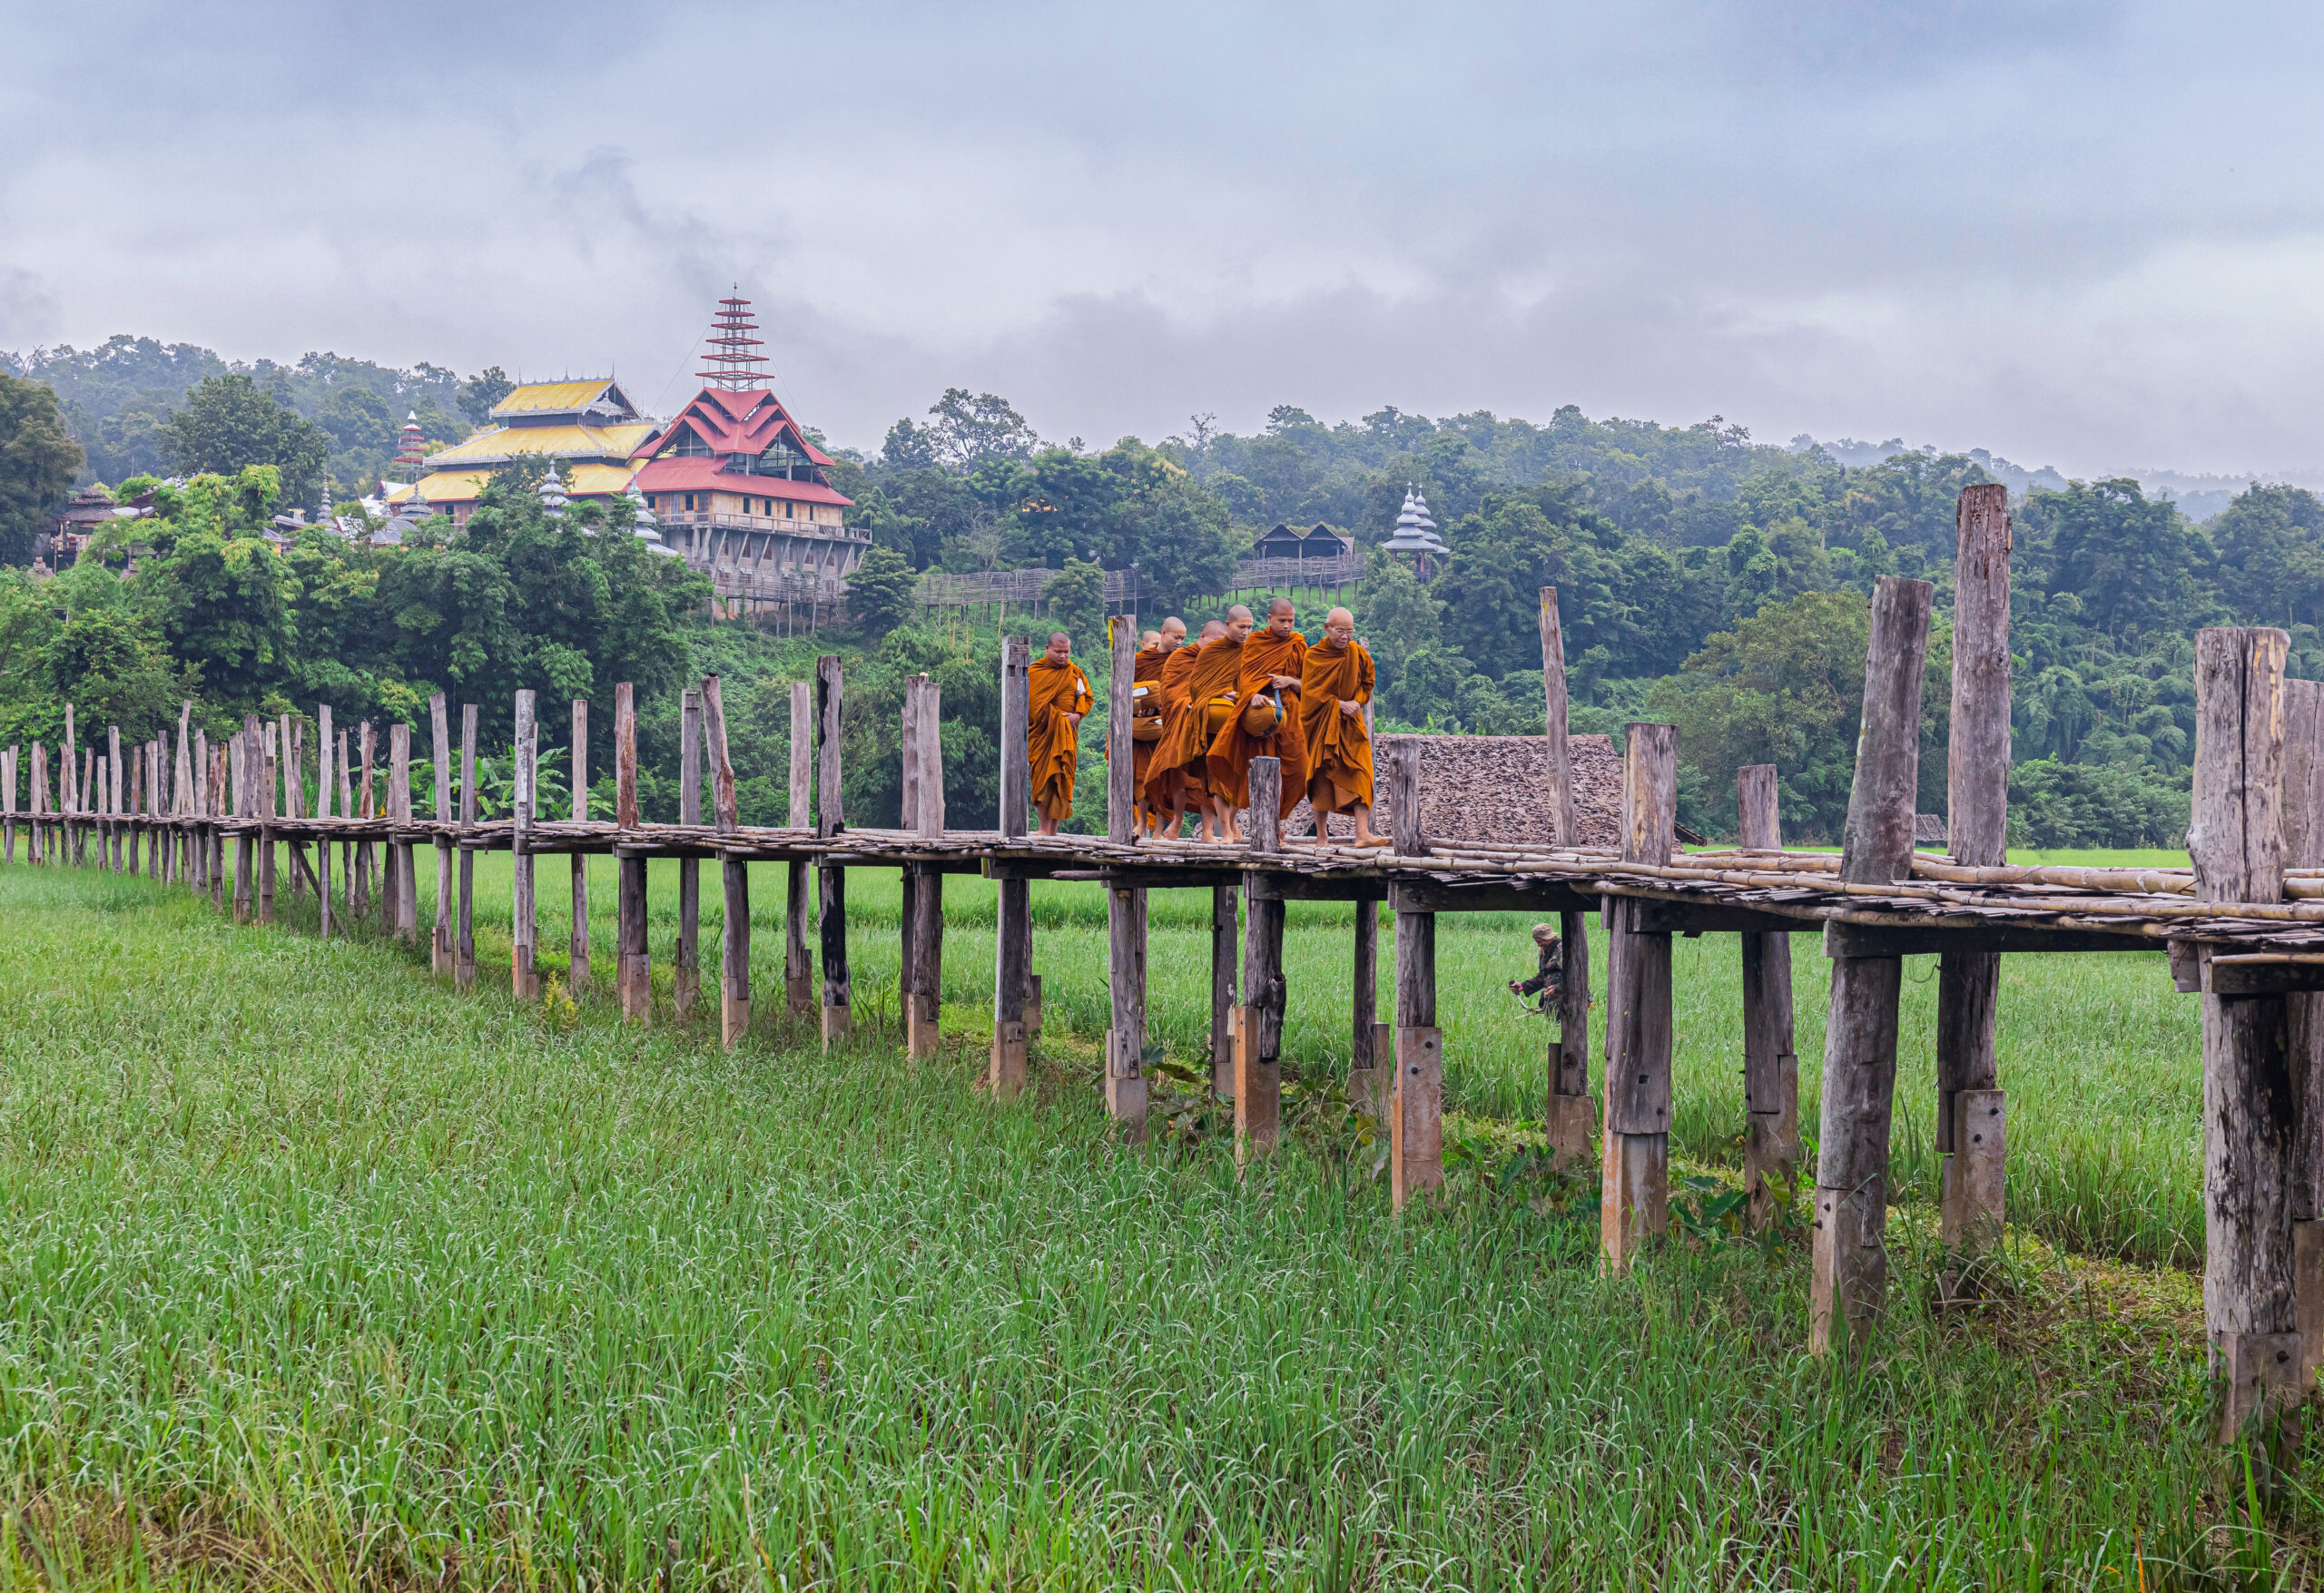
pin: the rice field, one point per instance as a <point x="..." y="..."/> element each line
<point x="317" y="1274"/>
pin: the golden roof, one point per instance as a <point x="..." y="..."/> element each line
<point x="585" y="480"/>
<point x="504" y="442"/>
<point x="560" y="398"/>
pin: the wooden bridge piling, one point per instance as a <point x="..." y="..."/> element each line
<point x="577" y="966"/>
<point x="1226" y="946"/>
<point x="2236" y="844"/>
<point x="324" y="748"/>
<point x="923" y="885"/>
<point x="525" y="918"/>
<point x="1258" y="1027"/>
<point x="633" y="958"/>
<point x="245" y="798"/>
<point x="798" y="969"/>
<point x="464" y="933"/>
<point x="1971" y="1109"/>
<point x="1634" y="1205"/>
<point x="1570" y="1118"/>
<point x="831" y="879"/>
<point x="263" y="762"/>
<point x="2304" y="1013"/>
<point x="8" y="807"/>
<point x="1771" y="1145"/>
<point x="685" y="956"/>
<point x="406" y="883"/>
<point x="286" y="750"/>
<point x="1012" y="919"/>
<point x="1126" y="905"/>
<point x="1416" y="1116"/>
<point x="439" y="726"/>
<point x="1372" y="1064"/>
<point x="734" y="875"/>
<point x="1848" y="1289"/>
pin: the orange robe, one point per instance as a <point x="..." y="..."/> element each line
<point x="1163" y="778"/>
<point x="1212" y="676"/>
<point x="1147" y="673"/>
<point x="1231" y="751"/>
<point x="1051" y="747"/>
<point x="1339" y="748"/>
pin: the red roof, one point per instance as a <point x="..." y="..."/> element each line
<point x="737" y="423"/>
<point x="697" y="474"/>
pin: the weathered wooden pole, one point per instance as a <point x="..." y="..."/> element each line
<point x="922" y="982"/>
<point x="798" y="964"/>
<point x="633" y="975"/>
<point x="1013" y="926"/>
<point x="439" y="724"/>
<point x="464" y="940"/>
<point x="1570" y="1120"/>
<point x="685" y="959"/>
<point x="400" y="814"/>
<point x="68" y="799"/>
<point x="1258" y="1025"/>
<point x="1372" y="1068"/>
<point x="2236" y="841"/>
<point x="1970" y="1110"/>
<point x="2304" y="808"/>
<point x="1416" y="1111"/>
<point x="268" y="774"/>
<point x="576" y="973"/>
<point x="1634" y="1202"/>
<point x="323" y="749"/>
<point x="1226" y="950"/>
<point x="8" y="808"/>
<point x="734" y="877"/>
<point x="37" y="807"/>
<point x="1772" y="1147"/>
<point x="216" y="840"/>
<point x="830" y="880"/>
<point x="109" y="853"/>
<point x="138" y="758"/>
<point x="183" y="796"/>
<point x="1126" y="1087"/>
<point x="1850" y="1285"/>
<point x="287" y="751"/>
<point x="524" y="940"/>
<point x="244" y="753"/>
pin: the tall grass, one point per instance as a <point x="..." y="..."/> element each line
<point x="318" y="1273"/>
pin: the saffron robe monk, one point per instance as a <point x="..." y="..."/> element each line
<point x="1059" y="696"/>
<point x="1270" y="667"/>
<point x="1148" y="667"/>
<point x="1210" y="705"/>
<point x="1333" y="687"/>
<point x="1166" y="784"/>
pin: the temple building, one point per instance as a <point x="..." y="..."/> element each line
<point x="588" y="430"/>
<point x="741" y="492"/>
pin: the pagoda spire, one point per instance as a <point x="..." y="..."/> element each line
<point x="729" y="364"/>
<point x="411" y="452"/>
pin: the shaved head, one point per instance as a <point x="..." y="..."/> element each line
<point x="1237" y="613"/>
<point x="1151" y="639"/>
<point x="1339" y="617"/>
<point x="1057" y="636"/>
<point x="1280" y="605"/>
<point x="1213" y="628"/>
<point x="1174" y="626"/>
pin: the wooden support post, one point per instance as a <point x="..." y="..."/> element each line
<point x="1371" y="1067"/>
<point x="1849" y="1286"/>
<point x="287" y="756"/>
<point x="734" y="877"/>
<point x="38" y="806"/>
<point x="361" y="878"/>
<point x="400" y="811"/>
<point x="68" y="804"/>
<point x="244" y="753"/>
<point x="439" y="724"/>
<point x="2303" y="808"/>
<point x="924" y="887"/>
<point x="685" y="959"/>
<point x="633" y="959"/>
<point x="798" y="967"/>
<point x="114" y="806"/>
<point x="1013" y="926"/>
<point x="1226" y="949"/>
<point x="266" y="765"/>
<point x="464" y="941"/>
<point x="576" y="971"/>
<point x="2251" y="1308"/>
<point x="1416" y="1125"/>
<point x="323" y="750"/>
<point x="8" y="808"/>
<point x="1970" y="1108"/>
<point x="831" y="881"/>
<point x="524" y="938"/>
<point x="1570" y="1119"/>
<point x="1126" y="1086"/>
<point x="183" y="795"/>
<point x="1258" y="1051"/>
<point x="1771" y="1146"/>
<point x="1634" y="1202"/>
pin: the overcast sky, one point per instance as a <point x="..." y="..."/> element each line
<point x="2081" y="234"/>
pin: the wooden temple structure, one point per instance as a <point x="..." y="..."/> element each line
<point x="2242" y="929"/>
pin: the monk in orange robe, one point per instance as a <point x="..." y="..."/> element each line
<point x="1210" y="706"/>
<point x="1151" y="660"/>
<point x="1333" y="687"/>
<point x="1060" y="697"/>
<point x="1271" y="663"/>
<point x="1166" y="781"/>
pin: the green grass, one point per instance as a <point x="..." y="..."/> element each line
<point x="317" y="1272"/>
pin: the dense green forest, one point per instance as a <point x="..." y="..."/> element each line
<point x="1706" y="579"/>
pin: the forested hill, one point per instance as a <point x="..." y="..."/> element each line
<point x="1705" y="578"/>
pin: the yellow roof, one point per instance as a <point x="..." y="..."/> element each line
<point x="445" y="486"/>
<point x="503" y="443"/>
<point x="552" y="397"/>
